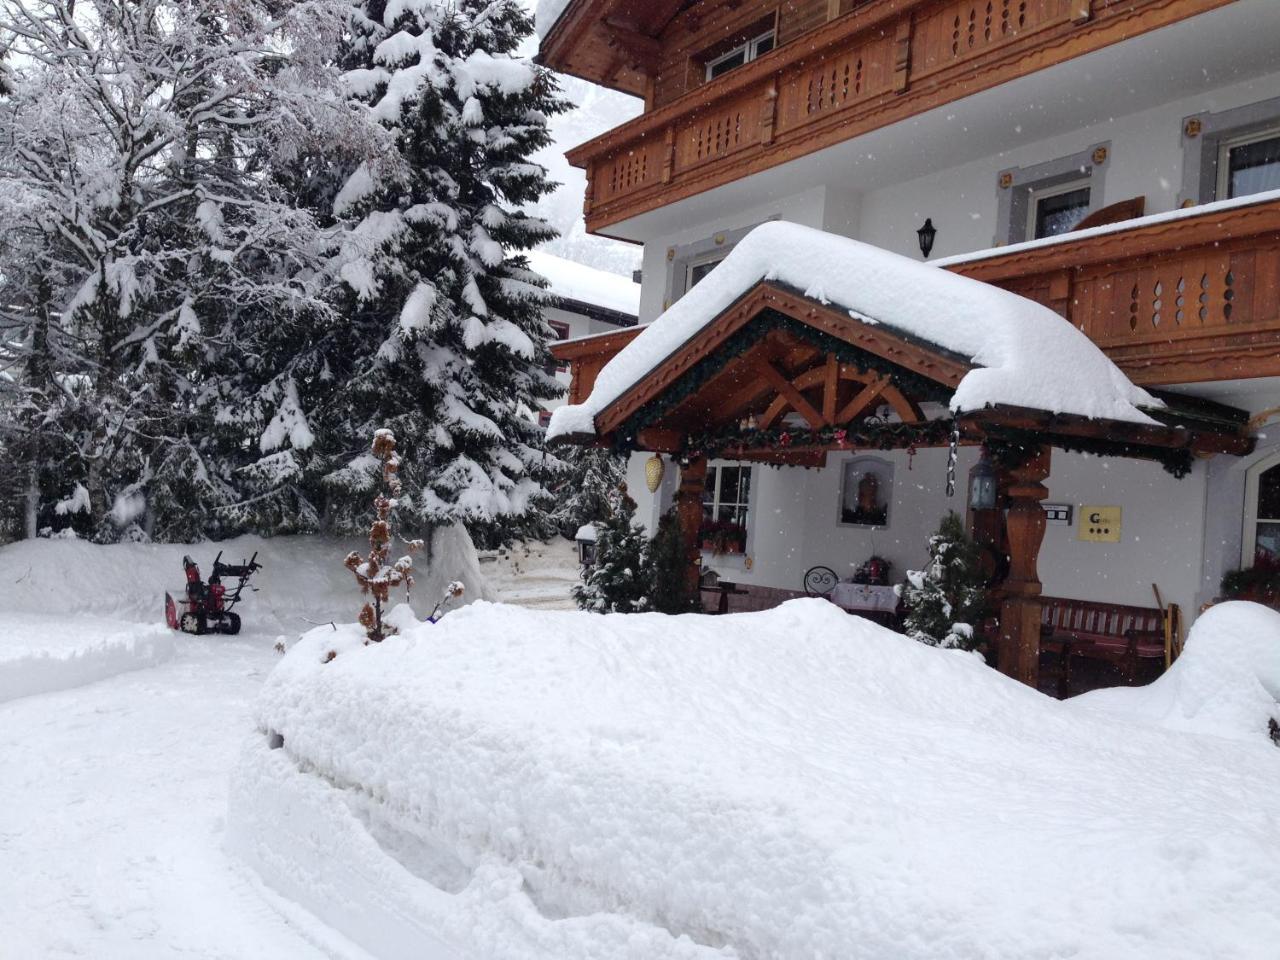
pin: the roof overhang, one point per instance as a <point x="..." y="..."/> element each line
<point x="730" y="369"/>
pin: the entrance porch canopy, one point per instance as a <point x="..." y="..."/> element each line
<point x="800" y="343"/>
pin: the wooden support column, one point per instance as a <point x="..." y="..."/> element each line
<point x="693" y="479"/>
<point x="1019" y="655"/>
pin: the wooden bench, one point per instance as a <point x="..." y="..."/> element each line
<point x="1123" y="636"/>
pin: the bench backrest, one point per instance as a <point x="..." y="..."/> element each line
<point x="1088" y="618"/>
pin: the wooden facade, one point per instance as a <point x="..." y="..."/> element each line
<point x="1187" y="299"/>
<point x="842" y="68"/>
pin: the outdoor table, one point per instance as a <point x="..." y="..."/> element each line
<point x="879" y="602"/>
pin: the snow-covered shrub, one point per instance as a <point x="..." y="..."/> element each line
<point x="947" y="597"/>
<point x="618" y="581"/>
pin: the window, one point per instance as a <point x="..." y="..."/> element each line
<point x="726" y="508"/>
<point x="1262" y="513"/>
<point x="1249" y="164"/>
<point x="743" y="53"/>
<point x="1057" y="210"/>
<point x="697" y="270"/>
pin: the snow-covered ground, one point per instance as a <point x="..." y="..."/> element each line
<point x="528" y="782"/>
<point x="114" y="794"/>
<point x="790" y="784"/>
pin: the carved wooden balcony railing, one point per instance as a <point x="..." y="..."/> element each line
<point x="1183" y="300"/>
<point x="883" y="62"/>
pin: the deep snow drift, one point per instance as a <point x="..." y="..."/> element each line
<point x="73" y="612"/>
<point x="796" y="783"/>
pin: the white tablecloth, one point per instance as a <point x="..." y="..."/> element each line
<point x="864" y="596"/>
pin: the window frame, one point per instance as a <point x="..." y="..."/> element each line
<point x="750" y="50"/>
<point x="712" y="257"/>
<point x="1037" y="194"/>
<point x="1249" y="533"/>
<point x="1228" y="143"/>
<point x="715" y="469"/>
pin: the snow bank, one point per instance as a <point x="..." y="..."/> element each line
<point x="1025" y="354"/>
<point x="577" y="281"/>
<point x="795" y="783"/>
<point x="73" y="612"/>
<point x="42" y="653"/>
<point x="1226" y="682"/>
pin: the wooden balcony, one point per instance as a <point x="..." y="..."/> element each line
<point x="882" y="62"/>
<point x="1190" y="299"/>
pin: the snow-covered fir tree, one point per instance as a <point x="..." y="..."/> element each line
<point x="441" y="336"/>
<point x="618" y="581"/>
<point x="138" y="134"/>
<point x="583" y="488"/>
<point x="947" y="598"/>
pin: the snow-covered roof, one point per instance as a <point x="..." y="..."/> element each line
<point x="1169" y="216"/>
<point x="1023" y="353"/>
<point x="586" y="532"/>
<point x="577" y="281"/>
<point x="546" y="15"/>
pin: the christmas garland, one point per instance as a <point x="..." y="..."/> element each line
<point x="869" y="434"/>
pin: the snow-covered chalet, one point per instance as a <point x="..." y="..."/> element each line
<point x="1019" y="259"/>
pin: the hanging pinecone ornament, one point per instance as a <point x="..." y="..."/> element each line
<point x="653" y="470"/>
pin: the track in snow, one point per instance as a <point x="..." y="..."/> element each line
<point x="111" y="817"/>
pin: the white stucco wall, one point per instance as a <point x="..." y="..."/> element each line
<point x="794" y="524"/>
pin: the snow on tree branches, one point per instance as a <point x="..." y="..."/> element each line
<point x="947" y="598"/>
<point x="376" y="574"/>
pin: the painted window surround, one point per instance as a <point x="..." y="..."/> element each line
<point x="1016" y="187"/>
<point x="1203" y="135"/>
<point x="1249" y="539"/>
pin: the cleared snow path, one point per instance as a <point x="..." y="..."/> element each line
<point x="111" y="817"/>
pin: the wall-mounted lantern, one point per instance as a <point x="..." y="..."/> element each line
<point x="927" y="233"/>
<point x="982" y="484"/>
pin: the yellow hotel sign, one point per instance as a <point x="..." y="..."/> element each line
<point x="1100" y="524"/>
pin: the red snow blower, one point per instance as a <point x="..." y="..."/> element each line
<point x="207" y="607"/>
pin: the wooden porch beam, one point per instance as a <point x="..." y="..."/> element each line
<point x="779" y="382"/>
<point x="830" y="388"/>
<point x="659" y="440"/>
<point x="863" y="399"/>
<point x="693" y="481"/>
<point x="1019" y="647"/>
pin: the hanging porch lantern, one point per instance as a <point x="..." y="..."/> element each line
<point x="654" y="468"/>
<point x="982" y="484"/>
<point x="927" y="233"/>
